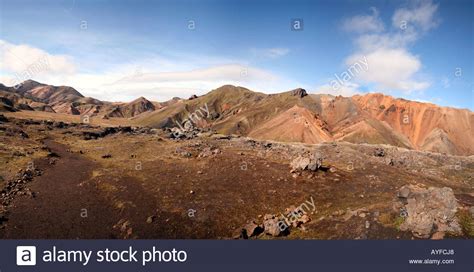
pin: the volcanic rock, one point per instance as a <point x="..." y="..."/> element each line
<point x="312" y="163"/>
<point x="315" y="163"/>
<point x="24" y="107"/>
<point x="250" y="230"/>
<point x="438" y="235"/>
<point x="3" y="119"/>
<point x="404" y="192"/>
<point x="429" y="210"/>
<point x="214" y="115"/>
<point x="23" y="134"/>
<point x="271" y="225"/>
<point x="379" y="152"/>
<point x="299" y="92"/>
<point x="300" y="163"/>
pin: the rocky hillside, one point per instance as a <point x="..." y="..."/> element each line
<point x="232" y="187"/>
<point x="427" y="126"/>
<point x="296" y="116"/>
<point x="293" y="116"/>
<point x="131" y="109"/>
<point x="32" y="95"/>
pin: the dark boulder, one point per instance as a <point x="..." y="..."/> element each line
<point x="299" y="92"/>
<point x="379" y="152"/>
<point x="6" y="101"/>
<point x="3" y="119"/>
<point x="24" y="107"/>
<point x="214" y="115"/>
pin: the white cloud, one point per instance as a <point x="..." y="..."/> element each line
<point x="271" y="53"/>
<point x="156" y="77"/>
<point x="232" y="72"/>
<point x="364" y="23"/>
<point x="348" y="89"/>
<point x="420" y="15"/>
<point x="390" y="69"/>
<point x="165" y="85"/>
<point x="432" y="100"/>
<point x="391" y="65"/>
<point x="19" y="58"/>
<point x="373" y="42"/>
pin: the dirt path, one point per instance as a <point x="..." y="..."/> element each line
<point x="62" y="200"/>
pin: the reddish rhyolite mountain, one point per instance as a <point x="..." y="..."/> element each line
<point x="293" y="116"/>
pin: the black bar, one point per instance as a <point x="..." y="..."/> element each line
<point x="262" y="256"/>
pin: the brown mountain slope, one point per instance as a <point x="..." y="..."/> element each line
<point x="216" y="107"/>
<point x="323" y="118"/>
<point x="12" y="101"/>
<point x="52" y="94"/>
<point x="62" y="99"/>
<point x="6" y="105"/>
<point x="134" y="108"/>
<point x="37" y="96"/>
<point x="228" y="109"/>
<point x="371" y="118"/>
<point x="26" y="86"/>
<point x="427" y="126"/>
<point x="294" y="125"/>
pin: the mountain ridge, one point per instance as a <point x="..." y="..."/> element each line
<point x="292" y="116"/>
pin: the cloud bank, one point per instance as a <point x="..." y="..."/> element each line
<point x="157" y="77"/>
<point x="391" y="64"/>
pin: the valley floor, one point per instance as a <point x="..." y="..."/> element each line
<point x="141" y="184"/>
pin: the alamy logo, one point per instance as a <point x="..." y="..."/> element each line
<point x="25" y="255"/>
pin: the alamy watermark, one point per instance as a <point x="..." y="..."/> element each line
<point x="193" y="118"/>
<point x="295" y="215"/>
<point x="346" y="76"/>
<point x="40" y="65"/>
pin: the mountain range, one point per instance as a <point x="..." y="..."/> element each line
<point x="293" y="116"/>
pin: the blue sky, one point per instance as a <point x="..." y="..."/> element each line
<point x="119" y="50"/>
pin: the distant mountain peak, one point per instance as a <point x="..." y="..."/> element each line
<point x="31" y="81"/>
<point x="140" y="99"/>
<point x="300" y="92"/>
